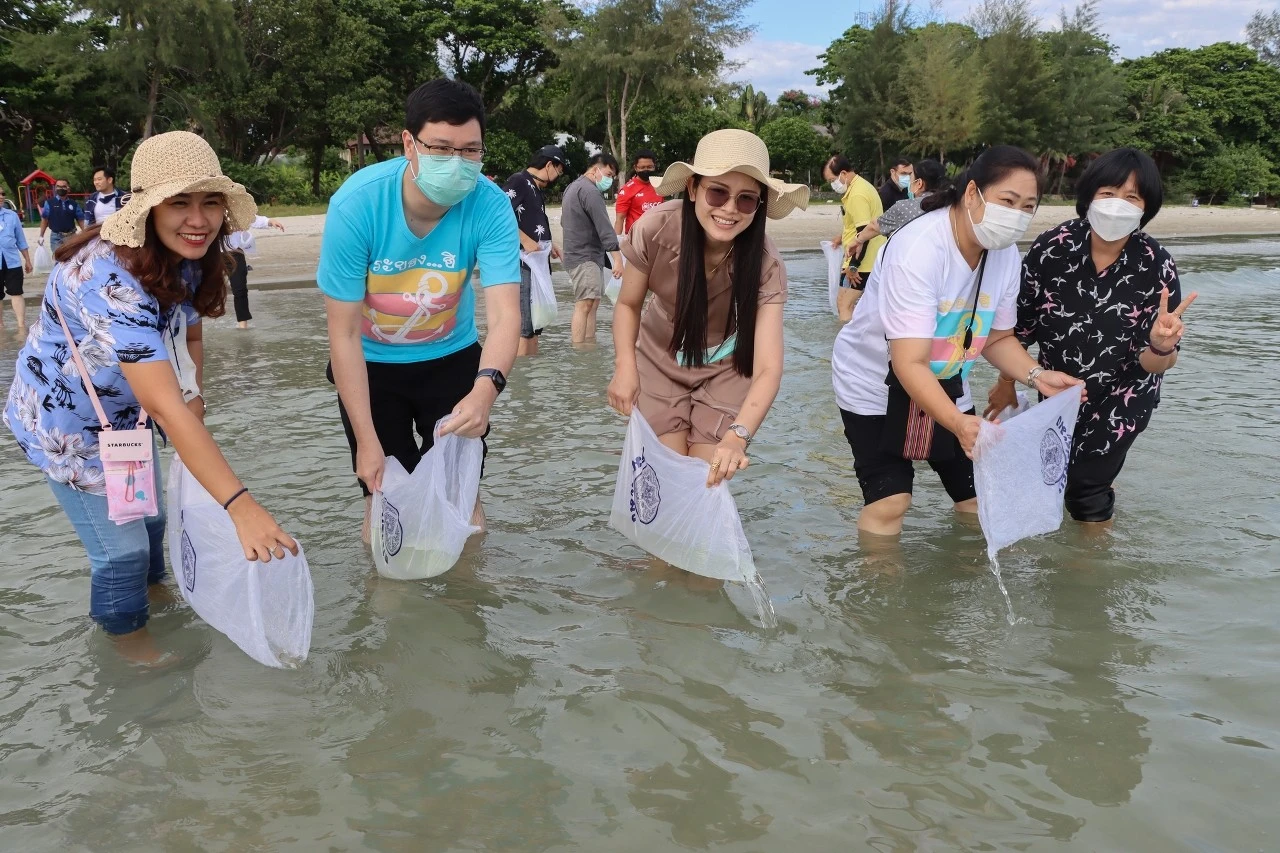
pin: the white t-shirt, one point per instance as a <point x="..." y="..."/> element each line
<point x="922" y="287"/>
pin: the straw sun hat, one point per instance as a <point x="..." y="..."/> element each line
<point x="167" y="165"/>
<point x="723" y="151"/>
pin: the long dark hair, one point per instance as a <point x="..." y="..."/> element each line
<point x="990" y="167"/>
<point x="156" y="269"/>
<point x="690" y="335"/>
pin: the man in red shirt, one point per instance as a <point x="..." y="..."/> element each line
<point x="638" y="194"/>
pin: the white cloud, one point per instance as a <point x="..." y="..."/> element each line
<point x="776" y="66"/>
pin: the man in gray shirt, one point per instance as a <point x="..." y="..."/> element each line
<point x="588" y="235"/>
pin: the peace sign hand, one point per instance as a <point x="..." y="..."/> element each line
<point x="1167" y="330"/>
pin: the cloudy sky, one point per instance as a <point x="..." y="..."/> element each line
<point x="791" y="33"/>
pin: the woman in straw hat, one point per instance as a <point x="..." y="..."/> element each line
<point x="131" y="294"/>
<point x="703" y="362"/>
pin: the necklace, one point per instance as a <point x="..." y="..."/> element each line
<point x="721" y="263"/>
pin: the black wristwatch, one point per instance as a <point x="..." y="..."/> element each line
<point x="494" y="374"/>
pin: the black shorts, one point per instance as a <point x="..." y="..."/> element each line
<point x="845" y="281"/>
<point x="1089" y="495"/>
<point x="405" y="397"/>
<point x="11" y="280"/>
<point x="882" y="474"/>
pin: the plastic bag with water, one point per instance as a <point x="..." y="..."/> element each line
<point x="1020" y="470"/>
<point x="264" y="608"/>
<point x="42" y="261"/>
<point x="835" y="263"/>
<point x="661" y="503"/>
<point x="542" y="294"/>
<point x="421" y="521"/>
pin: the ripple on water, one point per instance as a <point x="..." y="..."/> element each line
<point x="558" y="691"/>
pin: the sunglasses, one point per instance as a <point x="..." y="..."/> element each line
<point x="746" y="203"/>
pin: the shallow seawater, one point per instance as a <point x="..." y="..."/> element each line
<point x="557" y="691"/>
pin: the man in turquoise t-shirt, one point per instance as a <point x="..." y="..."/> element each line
<point x="401" y="240"/>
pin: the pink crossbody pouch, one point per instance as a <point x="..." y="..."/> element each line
<point x="128" y="455"/>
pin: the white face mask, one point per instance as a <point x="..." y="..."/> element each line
<point x="839" y="186"/>
<point x="1114" y="218"/>
<point x="1000" y="227"/>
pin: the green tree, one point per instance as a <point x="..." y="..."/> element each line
<point x="627" y="51"/>
<point x="942" y="79"/>
<point x="1088" y="91"/>
<point x="1017" y="91"/>
<point x="1163" y="123"/>
<point x="1238" y="170"/>
<point x="755" y="108"/>
<point x="1228" y="88"/>
<point x="797" y="102"/>
<point x="495" y="45"/>
<point x="868" y="105"/>
<point x="795" y="148"/>
<point x="157" y="46"/>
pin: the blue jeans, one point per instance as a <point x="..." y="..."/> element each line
<point x="56" y="238"/>
<point x="124" y="558"/>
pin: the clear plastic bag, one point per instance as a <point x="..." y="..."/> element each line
<point x="1020" y="470"/>
<point x="264" y="608"/>
<point x="542" y="298"/>
<point x="662" y="503"/>
<point x="613" y="287"/>
<point x="835" y="264"/>
<point x="42" y="261"/>
<point x="422" y="520"/>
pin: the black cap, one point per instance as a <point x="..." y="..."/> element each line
<point x="554" y="153"/>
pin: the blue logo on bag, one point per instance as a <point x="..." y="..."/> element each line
<point x="392" y="532"/>
<point x="646" y="497"/>
<point x="1055" y="451"/>
<point x="188" y="562"/>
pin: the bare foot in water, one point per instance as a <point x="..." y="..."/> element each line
<point x="478" y="518"/>
<point x="139" y="648"/>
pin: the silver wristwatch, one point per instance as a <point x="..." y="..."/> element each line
<point x="1032" y="375"/>
<point x="741" y="432"/>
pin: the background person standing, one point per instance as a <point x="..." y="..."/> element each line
<point x="61" y="215"/>
<point x="525" y="189"/>
<point x="239" y="245"/>
<point x="638" y="194"/>
<point x="105" y="200"/>
<point x="14" y="261"/>
<point x="897" y="186"/>
<point x="588" y="235"/>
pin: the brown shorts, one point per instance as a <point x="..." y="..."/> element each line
<point x="588" y="281"/>
<point x="703" y="400"/>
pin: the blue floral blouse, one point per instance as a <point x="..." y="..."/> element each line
<point x="114" y="321"/>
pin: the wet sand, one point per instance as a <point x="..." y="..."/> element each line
<point x="289" y="259"/>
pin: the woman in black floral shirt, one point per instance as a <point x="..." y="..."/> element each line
<point x="1102" y="300"/>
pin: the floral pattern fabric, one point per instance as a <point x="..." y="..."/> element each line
<point x="113" y="321"/>
<point x="1095" y="324"/>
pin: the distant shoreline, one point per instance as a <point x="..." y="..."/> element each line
<point x="288" y="259"/>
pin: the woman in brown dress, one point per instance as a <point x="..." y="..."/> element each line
<point x="704" y="360"/>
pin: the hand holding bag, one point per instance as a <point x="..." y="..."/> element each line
<point x="127" y="455"/>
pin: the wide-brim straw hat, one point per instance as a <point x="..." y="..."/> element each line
<point x="167" y="165"/>
<point x="730" y="150"/>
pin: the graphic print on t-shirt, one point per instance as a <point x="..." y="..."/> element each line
<point x="416" y="305"/>
<point x="948" y="355"/>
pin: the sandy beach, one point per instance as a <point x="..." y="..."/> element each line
<point x="288" y="259"/>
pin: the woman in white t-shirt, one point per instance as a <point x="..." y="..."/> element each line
<point x="943" y="292"/>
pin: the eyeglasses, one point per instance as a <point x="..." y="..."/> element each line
<point x="747" y="203"/>
<point x="469" y="153"/>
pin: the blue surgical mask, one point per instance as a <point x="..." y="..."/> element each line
<point x="904" y="181"/>
<point x="446" y="180"/>
<point x="604" y="183"/>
